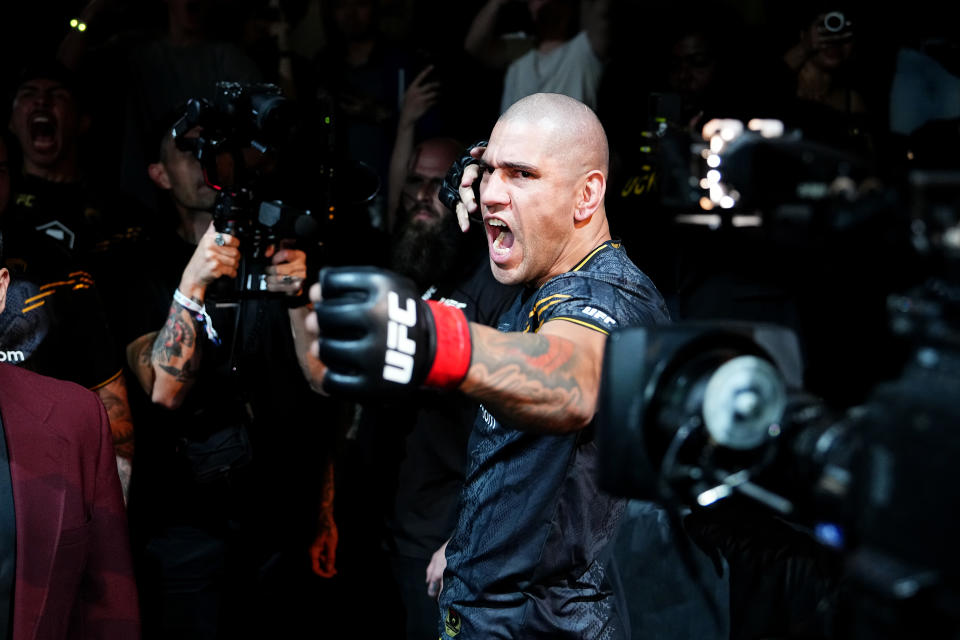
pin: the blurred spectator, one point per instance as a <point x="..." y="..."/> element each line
<point x="418" y="99"/>
<point x="55" y="240"/>
<point x="362" y="75"/>
<point x="655" y="93"/>
<point x="183" y="61"/>
<point x="925" y="86"/>
<point x="821" y="80"/>
<point x="567" y="48"/>
<point x="267" y="39"/>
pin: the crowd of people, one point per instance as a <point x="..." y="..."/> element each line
<point x="287" y="390"/>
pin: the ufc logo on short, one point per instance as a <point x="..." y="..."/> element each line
<point x="398" y="361"/>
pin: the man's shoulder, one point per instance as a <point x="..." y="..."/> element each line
<point x="19" y="381"/>
<point x="606" y="286"/>
<point x="610" y="263"/>
<point x="46" y="399"/>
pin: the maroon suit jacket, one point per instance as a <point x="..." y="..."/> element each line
<point x="74" y="574"/>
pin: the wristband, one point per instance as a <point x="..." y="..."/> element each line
<point x="201" y="314"/>
<point x="452" y="358"/>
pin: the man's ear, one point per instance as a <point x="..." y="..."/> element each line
<point x="591" y="196"/>
<point x="158" y="173"/>
<point x="4" y="283"/>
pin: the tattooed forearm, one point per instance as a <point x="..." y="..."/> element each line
<point x="174" y="359"/>
<point x="139" y="360"/>
<point x="113" y="395"/>
<point x="539" y="382"/>
<point x="114" y="398"/>
<point x="175" y="348"/>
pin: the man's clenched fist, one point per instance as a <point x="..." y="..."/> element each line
<point x="377" y="337"/>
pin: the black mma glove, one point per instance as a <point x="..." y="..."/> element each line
<point x="449" y="193"/>
<point x="378" y="337"/>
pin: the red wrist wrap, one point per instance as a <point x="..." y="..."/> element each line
<point x="452" y="359"/>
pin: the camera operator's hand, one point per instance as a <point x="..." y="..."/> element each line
<point x="461" y="186"/>
<point x="376" y="336"/>
<point x="216" y="255"/>
<point x="287" y="271"/>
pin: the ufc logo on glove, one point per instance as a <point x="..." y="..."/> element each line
<point x="376" y="336"/>
<point x="398" y="360"/>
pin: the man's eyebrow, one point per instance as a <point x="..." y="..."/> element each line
<point x="512" y="165"/>
<point x="520" y="166"/>
<point x="32" y="86"/>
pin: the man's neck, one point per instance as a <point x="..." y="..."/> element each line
<point x="546" y="46"/>
<point x="588" y="240"/>
<point x="193" y="224"/>
<point x="64" y="171"/>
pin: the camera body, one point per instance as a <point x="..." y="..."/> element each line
<point x="245" y="133"/>
<point x="239" y="115"/>
<point x="836" y="22"/>
<point x="698" y="415"/>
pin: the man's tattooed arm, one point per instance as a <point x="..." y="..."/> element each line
<point x="166" y="361"/>
<point x="546" y="381"/>
<point x="114" y="398"/>
<point x="138" y="359"/>
<point x="113" y="395"/>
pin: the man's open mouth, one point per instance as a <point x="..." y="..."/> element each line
<point x="43" y="130"/>
<point x="500" y="236"/>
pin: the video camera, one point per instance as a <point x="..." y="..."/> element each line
<point x="697" y="415"/>
<point x="278" y="177"/>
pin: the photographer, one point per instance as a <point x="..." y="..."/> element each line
<point x="819" y="84"/>
<point x="221" y="514"/>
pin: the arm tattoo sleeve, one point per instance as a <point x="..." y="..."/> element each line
<point x="114" y="398"/>
<point x="176" y="349"/>
<point x="529" y="379"/>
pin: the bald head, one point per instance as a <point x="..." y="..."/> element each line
<point x="542" y="190"/>
<point x="576" y="134"/>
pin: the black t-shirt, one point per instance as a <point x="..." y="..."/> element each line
<point x="62" y="212"/>
<point x="526" y="557"/>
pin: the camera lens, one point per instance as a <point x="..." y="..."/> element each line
<point x="271" y="114"/>
<point x="834" y="21"/>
